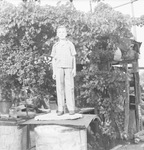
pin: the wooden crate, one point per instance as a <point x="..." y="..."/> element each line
<point x="60" y="137"/>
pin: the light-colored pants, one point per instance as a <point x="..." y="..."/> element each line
<point x="65" y="89"/>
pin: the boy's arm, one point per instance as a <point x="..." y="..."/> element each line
<point x="54" y="68"/>
<point x="53" y="61"/>
<point x="74" y="66"/>
<point x="73" y="53"/>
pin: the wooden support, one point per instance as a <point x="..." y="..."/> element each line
<point x="137" y="101"/>
<point x="126" y="121"/>
<point x="135" y="124"/>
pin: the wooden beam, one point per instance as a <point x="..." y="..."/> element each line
<point x="137" y="99"/>
<point x="126" y="121"/>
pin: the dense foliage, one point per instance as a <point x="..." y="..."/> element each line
<point x="26" y="38"/>
<point x="138" y="21"/>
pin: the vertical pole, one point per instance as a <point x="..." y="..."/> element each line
<point x="126" y="121"/>
<point x="90" y="3"/>
<point x="137" y="99"/>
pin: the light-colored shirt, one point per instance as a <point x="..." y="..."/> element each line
<point x="63" y="54"/>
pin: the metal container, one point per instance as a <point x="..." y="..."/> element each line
<point x="54" y="137"/>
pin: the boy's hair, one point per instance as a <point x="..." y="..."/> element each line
<point x="61" y="26"/>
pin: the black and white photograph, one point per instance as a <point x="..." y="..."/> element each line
<point x="71" y="74"/>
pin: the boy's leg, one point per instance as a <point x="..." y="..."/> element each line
<point x="60" y="88"/>
<point x="69" y="89"/>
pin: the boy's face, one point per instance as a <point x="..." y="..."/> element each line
<point x="61" y="33"/>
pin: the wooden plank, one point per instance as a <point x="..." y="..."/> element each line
<point x="137" y="94"/>
<point x="126" y="121"/>
<point x="137" y="99"/>
<point x="132" y="124"/>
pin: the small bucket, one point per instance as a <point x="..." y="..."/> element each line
<point x="4" y="107"/>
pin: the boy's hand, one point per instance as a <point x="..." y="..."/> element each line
<point x="73" y="72"/>
<point x="54" y="76"/>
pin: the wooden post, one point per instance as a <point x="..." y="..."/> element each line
<point x="137" y="95"/>
<point x="126" y="121"/>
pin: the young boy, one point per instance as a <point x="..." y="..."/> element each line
<point x="64" y="71"/>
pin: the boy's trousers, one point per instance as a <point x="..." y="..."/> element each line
<point x="65" y="88"/>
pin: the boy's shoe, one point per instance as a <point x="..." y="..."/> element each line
<point x="59" y="113"/>
<point x="71" y="112"/>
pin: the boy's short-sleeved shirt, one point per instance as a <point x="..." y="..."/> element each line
<point x="63" y="54"/>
